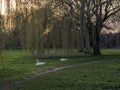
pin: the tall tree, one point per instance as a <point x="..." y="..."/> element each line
<point x="97" y="13"/>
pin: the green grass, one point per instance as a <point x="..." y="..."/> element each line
<point x="110" y="51"/>
<point x="102" y="76"/>
<point x="17" y="64"/>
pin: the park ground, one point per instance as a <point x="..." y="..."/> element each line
<point x="97" y="76"/>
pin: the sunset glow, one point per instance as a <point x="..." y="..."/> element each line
<point x="4" y="7"/>
<point x="12" y="5"/>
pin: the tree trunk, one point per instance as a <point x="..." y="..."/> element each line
<point x="1" y="42"/>
<point x="96" y="43"/>
<point x="87" y="43"/>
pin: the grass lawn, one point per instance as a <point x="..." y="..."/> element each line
<point x="102" y="76"/>
<point x="17" y="64"/>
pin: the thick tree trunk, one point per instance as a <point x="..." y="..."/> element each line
<point x="96" y="43"/>
<point x="87" y="43"/>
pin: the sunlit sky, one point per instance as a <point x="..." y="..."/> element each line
<point x="3" y="6"/>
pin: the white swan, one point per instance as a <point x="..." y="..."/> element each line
<point x="39" y="63"/>
<point x="63" y="59"/>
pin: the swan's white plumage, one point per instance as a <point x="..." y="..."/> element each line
<point x="39" y="63"/>
<point x="63" y="59"/>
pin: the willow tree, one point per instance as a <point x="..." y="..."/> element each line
<point x="39" y="22"/>
<point x="6" y="19"/>
<point x="0" y="36"/>
<point x="67" y="32"/>
<point x="52" y="23"/>
<point x="32" y="20"/>
<point x="0" y="40"/>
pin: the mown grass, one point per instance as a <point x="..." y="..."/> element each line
<point x="17" y="64"/>
<point x="102" y="76"/>
<point x="110" y="51"/>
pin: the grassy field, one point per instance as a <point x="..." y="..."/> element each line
<point x="17" y="64"/>
<point x="102" y="76"/>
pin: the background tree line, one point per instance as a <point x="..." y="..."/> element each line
<point x="67" y="24"/>
<point x="107" y="40"/>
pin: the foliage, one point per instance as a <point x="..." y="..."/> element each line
<point x="70" y="24"/>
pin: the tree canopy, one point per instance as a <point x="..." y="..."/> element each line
<point x="66" y="24"/>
